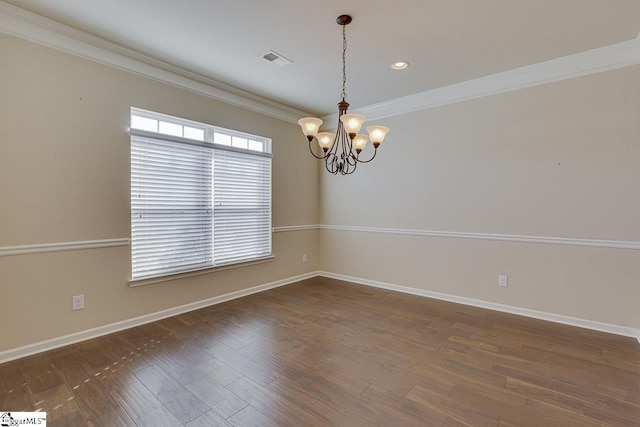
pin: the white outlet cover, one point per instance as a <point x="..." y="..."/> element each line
<point x="77" y="302"/>
<point x="503" y="280"/>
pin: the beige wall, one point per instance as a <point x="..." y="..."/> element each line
<point x="559" y="160"/>
<point x="556" y="160"/>
<point x="64" y="176"/>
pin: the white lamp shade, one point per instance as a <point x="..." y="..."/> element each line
<point x="325" y="139"/>
<point x="352" y="122"/>
<point x="377" y="133"/>
<point x="310" y="125"/>
<point x="360" y="141"/>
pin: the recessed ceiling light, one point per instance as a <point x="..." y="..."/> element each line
<point x="400" y="65"/>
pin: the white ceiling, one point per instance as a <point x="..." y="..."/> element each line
<point x="445" y="41"/>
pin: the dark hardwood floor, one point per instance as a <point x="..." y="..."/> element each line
<point x="325" y="352"/>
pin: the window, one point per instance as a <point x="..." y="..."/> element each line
<point x="200" y="196"/>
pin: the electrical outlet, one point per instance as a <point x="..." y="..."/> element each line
<point x="502" y="280"/>
<point x="304" y="257"/>
<point x="77" y="302"/>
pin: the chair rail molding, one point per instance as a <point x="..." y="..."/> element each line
<point x="570" y="241"/>
<point x="295" y="228"/>
<point x="62" y="246"/>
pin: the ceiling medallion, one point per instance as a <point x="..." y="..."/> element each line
<point x="341" y="150"/>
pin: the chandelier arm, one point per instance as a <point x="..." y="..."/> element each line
<point x="352" y="160"/>
<point x="350" y="168"/>
<point x="375" y="151"/>
<point x="314" y="154"/>
<point x="333" y="151"/>
<point x="345" y="169"/>
<point x="346" y="143"/>
<point x="330" y="163"/>
<point x="329" y="169"/>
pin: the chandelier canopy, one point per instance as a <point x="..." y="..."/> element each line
<point x="341" y="151"/>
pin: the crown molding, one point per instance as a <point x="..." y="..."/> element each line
<point x="47" y="32"/>
<point x="593" y="61"/>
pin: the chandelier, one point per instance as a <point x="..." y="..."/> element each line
<point x="341" y="151"/>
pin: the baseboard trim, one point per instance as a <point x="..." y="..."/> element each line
<point x="39" y="347"/>
<point x="551" y="317"/>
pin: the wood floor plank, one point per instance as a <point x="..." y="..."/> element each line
<point x="394" y="410"/>
<point x="251" y="417"/>
<point x="160" y="417"/>
<point x="44" y="382"/>
<point x="94" y="399"/>
<point x="372" y="408"/>
<point x="17" y="399"/>
<point x="278" y="408"/>
<point x="135" y="398"/>
<point x="11" y="377"/>
<point x="209" y="419"/>
<point x="457" y="411"/>
<point x="35" y="366"/>
<point x="72" y="419"/>
<point x="351" y="404"/>
<point x="518" y="409"/>
<point x="115" y="418"/>
<point x="305" y="397"/>
<point x="259" y="372"/>
<point x="58" y="402"/>
<point x="219" y="371"/>
<point x="183" y="404"/>
<point x="476" y="374"/>
<point x="218" y="397"/>
<point x="266" y="357"/>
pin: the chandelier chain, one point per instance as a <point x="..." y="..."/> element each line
<point x="344" y="62"/>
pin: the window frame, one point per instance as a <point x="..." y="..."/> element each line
<point x="208" y="137"/>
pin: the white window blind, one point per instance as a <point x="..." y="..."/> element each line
<point x="241" y="206"/>
<point x="196" y="204"/>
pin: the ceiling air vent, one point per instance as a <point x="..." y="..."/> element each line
<point x="276" y="58"/>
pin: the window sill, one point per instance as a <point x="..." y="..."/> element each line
<point x="197" y="272"/>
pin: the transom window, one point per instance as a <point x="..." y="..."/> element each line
<point x="200" y="195"/>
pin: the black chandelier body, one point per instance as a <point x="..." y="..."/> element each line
<point x="341" y="151"/>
